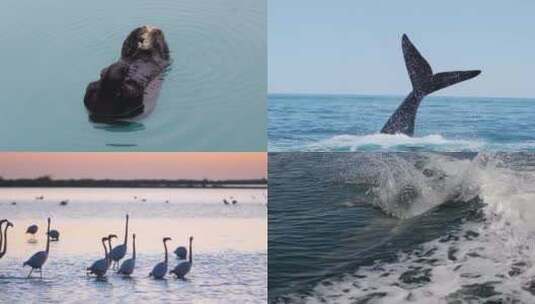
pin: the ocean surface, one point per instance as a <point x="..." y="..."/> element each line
<point x="401" y="228"/>
<point x="229" y="246"/>
<point x="212" y="98"/>
<point x="352" y="123"/>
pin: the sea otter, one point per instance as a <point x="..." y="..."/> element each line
<point x="129" y="87"/>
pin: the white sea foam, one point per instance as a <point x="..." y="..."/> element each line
<point x="386" y="142"/>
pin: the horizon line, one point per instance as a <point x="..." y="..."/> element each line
<point x="392" y="95"/>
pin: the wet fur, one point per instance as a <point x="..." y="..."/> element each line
<point x="120" y="91"/>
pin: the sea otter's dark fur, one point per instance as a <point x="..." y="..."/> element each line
<point x="120" y="91"/>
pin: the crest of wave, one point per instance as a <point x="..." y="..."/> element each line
<point x="507" y="187"/>
<point x="407" y="185"/>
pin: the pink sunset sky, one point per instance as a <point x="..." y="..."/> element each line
<point x="133" y="165"/>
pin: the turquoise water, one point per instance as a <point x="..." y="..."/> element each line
<point x="352" y="123"/>
<point x="401" y="228"/>
<point x="212" y="99"/>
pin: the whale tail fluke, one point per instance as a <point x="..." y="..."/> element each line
<point x="423" y="80"/>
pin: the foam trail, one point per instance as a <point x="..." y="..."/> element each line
<point x="490" y="257"/>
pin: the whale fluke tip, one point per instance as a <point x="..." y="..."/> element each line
<point x="405" y="40"/>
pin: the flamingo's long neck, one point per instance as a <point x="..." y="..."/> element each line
<point x="190" y="252"/>
<point x="105" y="250"/>
<point x="3" y="251"/>
<point x="126" y="233"/>
<point x="165" y="246"/>
<point x="134" y="246"/>
<point x="108" y="257"/>
<point x="48" y="237"/>
<point x="1" y="223"/>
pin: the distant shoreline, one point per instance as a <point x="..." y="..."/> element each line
<point x="46" y="182"/>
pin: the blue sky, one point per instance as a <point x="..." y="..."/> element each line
<point x="354" y="47"/>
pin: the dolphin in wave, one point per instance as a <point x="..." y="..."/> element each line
<point x="424" y="82"/>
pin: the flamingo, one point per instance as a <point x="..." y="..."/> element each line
<point x="159" y="271"/>
<point x="183" y="268"/>
<point x="54" y="235"/>
<point x="3" y="251"/>
<point x="38" y="260"/>
<point x="225" y="201"/>
<point x="127" y="267"/>
<point x="100" y="267"/>
<point x="181" y="252"/>
<point x="119" y="251"/>
<point x="32" y="229"/>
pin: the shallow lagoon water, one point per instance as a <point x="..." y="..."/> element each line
<point x="230" y="255"/>
<point x="352" y="123"/>
<point x="212" y="99"/>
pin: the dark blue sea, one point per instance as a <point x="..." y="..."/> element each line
<point x="352" y="123"/>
